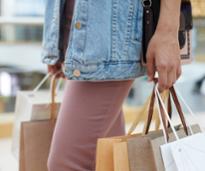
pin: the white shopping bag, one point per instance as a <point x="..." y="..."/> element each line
<point x="189" y="153"/>
<point x="31" y="105"/>
<point x="186" y="154"/>
<point x="169" y="163"/>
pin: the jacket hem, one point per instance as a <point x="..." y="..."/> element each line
<point x="106" y="72"/>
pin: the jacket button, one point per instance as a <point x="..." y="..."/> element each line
<point x="76" y="72"/>
<point x="77" y="25"/>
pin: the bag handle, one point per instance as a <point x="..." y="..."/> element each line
<point x="161" y="105"/>
<point x="47" y="76"/>
<point x="151" y="103"/>
<point x="42" y="82"/>
<point x="169" y="107"/>
<point x="172" y="93"/>
<point x="148" y="104"/>
<point x="194" y="117"/>
<point x="53" y="105"/>
<point x="159" y="101"/>
<point x="179" y="109"/>
<point x="139" y="116"/>
<point x="151" y="109"/>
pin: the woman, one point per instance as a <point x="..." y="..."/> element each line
<point x="101" y="62"/>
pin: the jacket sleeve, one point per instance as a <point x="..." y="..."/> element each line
<point x="51" y="31"/>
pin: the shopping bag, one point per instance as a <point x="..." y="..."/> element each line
<point x="105" y="153"/>
<point x="111" y="153"/>
<point x="35" y="139"/>
<point x="187" y="153"/>
<point x="120" y="157"/>
<point x="32" y="105"/>
<point x="144" y="151"/>
<point x="123" y="150"/>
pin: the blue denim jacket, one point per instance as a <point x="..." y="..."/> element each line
<point x="104" y="43"/>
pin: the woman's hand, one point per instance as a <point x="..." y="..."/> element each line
<point x="163" y="54"/>
<point x="56" y="69"/>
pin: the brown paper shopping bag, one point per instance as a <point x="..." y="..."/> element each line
<point x="144" y="151"/>
<point x="120" y="150"/>
<point x="35" y="139"/>
<point x="111" y="153"/>
<point x="105" y="152"/>
<point x="105" y="147"/>
<point x="30" y="106"/>
<point x="121" y="156"/>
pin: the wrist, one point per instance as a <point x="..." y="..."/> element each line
<point x="169" y="19"/>
<point x="165" y="28"/>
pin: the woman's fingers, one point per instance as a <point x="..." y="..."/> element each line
<point x="168" y="75"/>
<point x="172" y="77"/>
<point x="56" y="69"/>
<point x="179" y="71"/>
<point x="163" y="78"/>
<point x="150" y="66"/>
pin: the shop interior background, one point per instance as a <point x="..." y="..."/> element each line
<point x="21" y="25"/>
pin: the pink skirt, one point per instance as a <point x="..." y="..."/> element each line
<point x="90" y="110"/>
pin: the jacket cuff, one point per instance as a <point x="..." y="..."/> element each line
<point x="50" y="57"/>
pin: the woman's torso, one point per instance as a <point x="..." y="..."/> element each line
<point x="105" y="39"/>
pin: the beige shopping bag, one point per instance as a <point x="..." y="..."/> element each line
<point x="144" y="151"/>
<point x="120" y="151"/>
<point x="111" y="153"/>
<point x="105" y="153"/>
<point x="121" y="156"/>
<point x="31" y="106"/>
<point x="35" y="139"/>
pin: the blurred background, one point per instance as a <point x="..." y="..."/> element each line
<point x="21" y="26"/>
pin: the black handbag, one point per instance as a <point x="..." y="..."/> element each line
<point x="151" y="14"/>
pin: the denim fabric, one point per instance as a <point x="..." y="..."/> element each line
<point x="106" y="43"/>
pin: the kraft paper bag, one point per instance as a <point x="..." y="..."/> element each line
<point x="111" y="153"/>
<point x="35" y="142"/>
<point x="35" y="139"/>
<point x="105" y="152"/>
<point x="31" y="106"/>
<point x="121" y="153"/>
<point x="120" y="156"/>
<point x="144" y="151"/>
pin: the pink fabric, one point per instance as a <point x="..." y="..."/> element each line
<point x="90" y="110"/>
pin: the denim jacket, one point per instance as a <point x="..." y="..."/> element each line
<point x="104" y="42"/>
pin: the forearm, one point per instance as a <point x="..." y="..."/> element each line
<point x="169" y="16"/>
